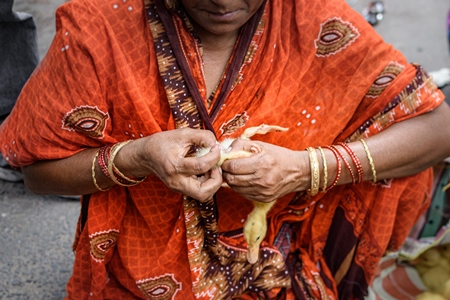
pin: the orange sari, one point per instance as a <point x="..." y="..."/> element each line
<point x="120" y="70"/>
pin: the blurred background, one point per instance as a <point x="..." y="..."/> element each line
<point x="36" y="232"/>
<point x="418" y="28"/>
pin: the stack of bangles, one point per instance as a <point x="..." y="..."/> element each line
<point x="357" y="176"/>
<point x="105" y="159"/>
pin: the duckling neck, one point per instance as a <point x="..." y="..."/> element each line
<point x="263" y="207"/>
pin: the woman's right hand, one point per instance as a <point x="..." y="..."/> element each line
<point x="164" y="154"/>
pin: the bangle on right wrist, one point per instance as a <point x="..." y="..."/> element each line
<point x="117" y="176"/>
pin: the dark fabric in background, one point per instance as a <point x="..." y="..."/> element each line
<point x="18" y="54"/>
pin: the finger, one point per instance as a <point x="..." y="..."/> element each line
<point x="202" y="138"/>
<point x="242" y="166"/>
<point x="204" y="189"/>
<point x="200" y="165"/>
<point x="244" y="145"/>
<point x="234" y="180"/>
<point x="213" y="182"/>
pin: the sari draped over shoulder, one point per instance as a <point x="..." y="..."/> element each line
<point x="120" y="70"/>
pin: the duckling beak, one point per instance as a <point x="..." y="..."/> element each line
<point x="253" y="254"/>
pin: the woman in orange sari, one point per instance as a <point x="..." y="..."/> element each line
<point x="130" y="88"/>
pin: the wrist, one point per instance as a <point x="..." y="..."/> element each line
<point x="303" y="171"/>
<point x="124" y="163"/>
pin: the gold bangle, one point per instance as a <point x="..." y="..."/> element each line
<point x="94" y="180"/>
<point x="369" y="157"/>
<point x="126" y="178"/>
<point x="112" y="169"/>
<point x="315" y="173"/>
<point x="325" y="170"/>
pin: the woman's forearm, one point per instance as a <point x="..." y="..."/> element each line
<point x="411" y="146"/>
<point x="68" y="176"/>
<point x="405" y="148"/>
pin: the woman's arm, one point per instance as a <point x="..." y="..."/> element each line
<point x="403" y="149"/>
<point x="411" y="146"/>
<point x="162" y="154"/>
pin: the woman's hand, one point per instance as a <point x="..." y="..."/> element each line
<point x="164" y="154"/>
<point x="268" y="175"/>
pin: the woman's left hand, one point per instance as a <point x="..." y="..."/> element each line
<point x="268" y="175"/>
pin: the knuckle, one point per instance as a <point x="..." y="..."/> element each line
<point x="201" y="167"/>
<point x="230" y="178"/>
<point x="232" y="167"/>
<point x="172" y="184"/>
<point x="171" y="168"/>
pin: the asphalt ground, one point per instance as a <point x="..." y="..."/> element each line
<point x="36" y="232"/>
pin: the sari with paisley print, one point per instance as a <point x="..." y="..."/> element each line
<point x="126" y="70"/>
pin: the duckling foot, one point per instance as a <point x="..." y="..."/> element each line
<point x="261" y="129"/>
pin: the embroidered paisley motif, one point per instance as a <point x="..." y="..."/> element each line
<point x="335" y="35"/>
<point x="234" y="124"/>
<point x="88" y="120"/>
<point x="161" y="288"/>
<point x="101" y="242"/>
<point x="385" y="78"/>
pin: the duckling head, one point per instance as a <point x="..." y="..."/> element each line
<point x="255" y="229"/>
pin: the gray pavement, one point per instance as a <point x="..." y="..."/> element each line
<point x="36" y="232"/>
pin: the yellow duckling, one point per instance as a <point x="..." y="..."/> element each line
<point x="426" y="260"/>
<point x="446" y="290"/>
<point x="445" y="295"/>
<point x="433" y="269"/>
<point x="255" y="228"/>
<point x="435" y="279"/>
<point x="445" y="250"/>
<point x="430" y="296"/>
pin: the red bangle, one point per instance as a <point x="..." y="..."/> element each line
<point x="339" y="168"/>
<point x="346" y="163"/>
<point x="102" y="159"/>
<point x="355" y="160"/>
